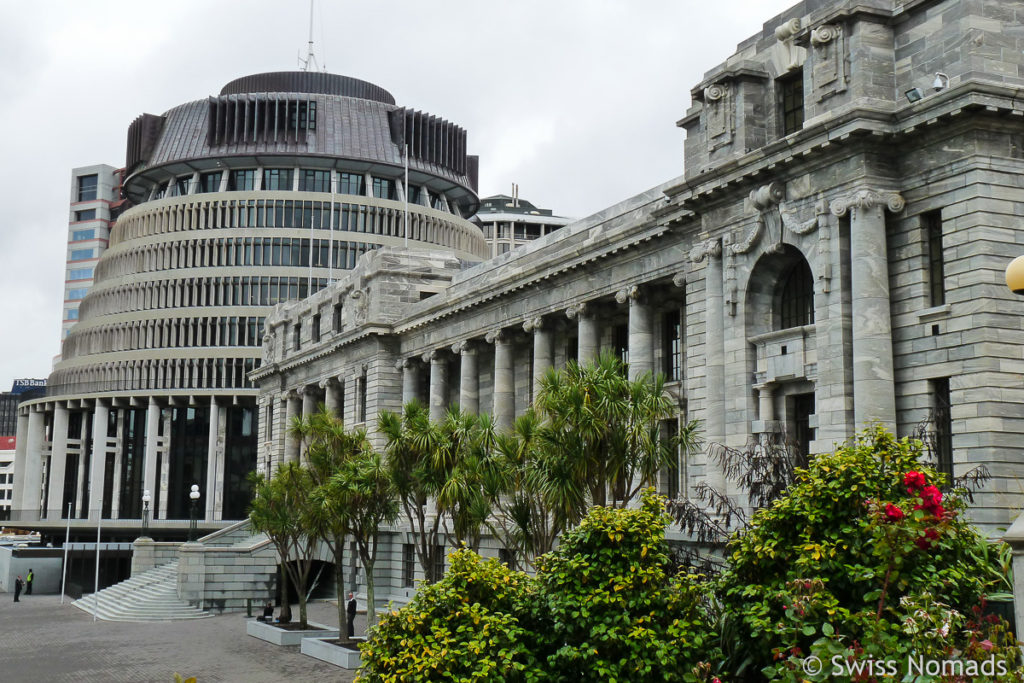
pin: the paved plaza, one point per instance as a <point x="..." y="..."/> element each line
<point x="42" y="640"/>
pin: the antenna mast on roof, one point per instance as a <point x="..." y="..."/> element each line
<point x="310" y="57"/>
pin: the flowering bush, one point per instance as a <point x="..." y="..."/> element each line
<point x="833" y="567"/>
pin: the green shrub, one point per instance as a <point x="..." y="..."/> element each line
<point x="617" y="611"/>
<point x="472" y="625"/>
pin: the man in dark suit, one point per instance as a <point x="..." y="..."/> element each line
<point x="351" y="615"/>
<point x="17" y="588"/>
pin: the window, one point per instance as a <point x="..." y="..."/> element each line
<point x="351" y="183"/>
<point x="672" y="345"/>
<point x="87" y="186"/>
<point x="796" y="304"/>
<point x="81" y="274"/>
<point x="437" y="201"/>
<point x="669" y="432"/>
<point x="87" y="215"/>
<point x="75" y="294"/>
<point x="361" y="398"/>
<point x="408" y="565"/>
<point x="315" y="332"/>
<point x="181" y="185"/>
<point x="314" y="181"/>
<point x="242" y="181"/>
<point x="210" y="182"/>
<point x="336" y="318"/>
<point x="297" y="336"/>
<point x="791" y="102"/>
<point x="71" y="314"/>
<point x="437" y="570"/>
<point x="932" y="224"/>
<point x="507" y="558"/>
<point x="82" y="235"/>
<point x="277" y="179"/>
<point x="942" y="424"/>
<point x="81" y="254"/>
<point x="802" y="408"/>
<point x="622" y="343"/>
<point x="414" y="194"/>
<point x="383" y="188"/>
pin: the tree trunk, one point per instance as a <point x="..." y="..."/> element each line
<point x="286" y="607"/>
<point x="371" y="605"/>
<point x="339" y="580"/>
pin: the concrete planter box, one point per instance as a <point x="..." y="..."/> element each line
<point x="280" y="636"/>
<point x="330" y="653"/>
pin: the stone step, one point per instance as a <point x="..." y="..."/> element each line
<point x="150" y="596"/>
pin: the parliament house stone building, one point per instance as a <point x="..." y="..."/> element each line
<point x="831" y="257"/>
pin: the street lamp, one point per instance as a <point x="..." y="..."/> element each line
<point x="194" y="496"/>
<point x="1015" y="275"/>
<point x="145" y="511"/>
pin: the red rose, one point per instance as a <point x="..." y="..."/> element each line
<point x="914" y="481"/>
<point x="893" y="513"/>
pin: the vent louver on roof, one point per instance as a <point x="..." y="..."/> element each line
<point x="142" y="138"/>
<point x="265" y="117"/>
<point x="431" y="139"/>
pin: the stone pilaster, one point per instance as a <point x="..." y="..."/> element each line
<point x="641" y="331"/>
<point x="543" y="353"/>
<point x="873" y="390"/>
<point x="469" y="376"/>
<point x="714" y="355"/>
<point x="504" y="411"/>
<point x="588" y="339"/>
<point x="438" y="383"/>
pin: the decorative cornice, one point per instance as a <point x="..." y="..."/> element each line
<point x="867" y="198"/>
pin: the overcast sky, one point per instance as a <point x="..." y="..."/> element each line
<point x="574" y="100"/>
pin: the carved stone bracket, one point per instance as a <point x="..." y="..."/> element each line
<point x="829" y="75"/>
<point x="626" y="294"/>
<point x="819" y="223"/>
<point x="867" y="198"/>
<point x="719" y="118"/>
<point x="791" y="54"/>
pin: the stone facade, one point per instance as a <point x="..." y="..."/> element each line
<point x="831" y="258"/>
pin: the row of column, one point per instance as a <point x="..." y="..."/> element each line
<point x="640" y="344"/>
<point x="30" y="453"/>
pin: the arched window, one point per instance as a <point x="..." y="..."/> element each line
<point x="796" y="301"/>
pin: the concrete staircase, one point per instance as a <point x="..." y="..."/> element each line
<point x="150" y="596"/>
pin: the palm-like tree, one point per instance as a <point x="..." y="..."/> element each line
<point x="329" y="447"/>
<point x="277" y="509"/>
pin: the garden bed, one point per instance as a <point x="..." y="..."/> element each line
<point x="288" y="634"/>
<point x="337" y="651"/>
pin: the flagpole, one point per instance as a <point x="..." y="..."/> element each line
<point x="96" y="585"/>
<point x="64" y="574"/>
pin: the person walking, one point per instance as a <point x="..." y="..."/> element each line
<point x="17" y="588"/>
<point x="351" y="615"/>
<point x="28" y="581"/>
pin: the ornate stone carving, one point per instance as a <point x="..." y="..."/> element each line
<point x="269" y="344"/>
<point x="828" y="76"/>
<point x="576" y="311"/>
<point x="429" y="356"/>
<point x="632" y="292"/>
<point x="787" y="30"/>
<point x="767" y="196"/>
<point x="496" y="336"/>
<point x="791" y="54"/>
<point x="362" y="305"/>
<point x="715" y="92"/>
<point x="709" y="248"/>
<point x="679" y="279"/>
<point x="719" y="119"/>
<point x="820" y="224"/>
<point x="533" y="324"/>
<point x="867" y="198"/>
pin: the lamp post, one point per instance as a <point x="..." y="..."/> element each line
<point x="194" y="496"/>
<point x="145" y="511"/>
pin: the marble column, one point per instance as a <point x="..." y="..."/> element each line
<point x="34" y="464"/>
<point x="469" y="376"/>
<point x="152" y="436"/>
<point x="293" y="407"/>
<point x="58" y="463"/>
<point x="80" y="476"/>
<point x="438" y="384"/>
<point x="641" y="331"/>
<point x="99" y="459"/>
<point x="213" y="460"/>
<point x="504" y="409"/>
<point x="873" y="391"/>
<point x="20" y="450"/>
<point x="331" y="402"/>
<point x="588" y="340"/>
<point x="543" y="353"/>
<point x="410" y="380"/>
<point x="310" y="400"/>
